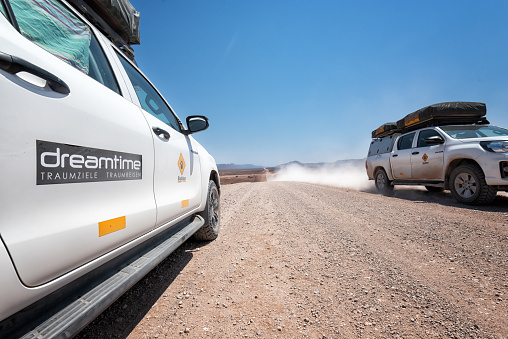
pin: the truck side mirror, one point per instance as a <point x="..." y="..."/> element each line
<point x="434" y="140"/>
<point x="196" y="123"/>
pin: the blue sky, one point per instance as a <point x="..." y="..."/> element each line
<point x="284" y="80"/>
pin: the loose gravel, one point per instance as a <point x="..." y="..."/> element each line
<point x="297" y="260"/>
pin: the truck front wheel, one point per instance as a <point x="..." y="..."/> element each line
<point x="468" y="185"/>
<point x="383" y="185"/>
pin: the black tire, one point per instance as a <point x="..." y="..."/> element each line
<point x="434" y="189"/>
<point x="468" y="185"/>
<point x="211" y="214"/>
<point x="382" y="182"/>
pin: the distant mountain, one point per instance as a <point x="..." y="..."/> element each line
<point x="230" y="167"/>
<point x="290" y="164"/>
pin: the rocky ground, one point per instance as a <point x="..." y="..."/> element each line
<point x="296" y="260"/>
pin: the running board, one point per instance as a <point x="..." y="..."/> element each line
<point x="95" y="296"/>
<point x="418" y="183"/>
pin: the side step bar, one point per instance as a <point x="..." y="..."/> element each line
<point x="418" y="183"/>
<point x="94" y="296"/>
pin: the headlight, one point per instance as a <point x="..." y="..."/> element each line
<point x="495" y="146"/>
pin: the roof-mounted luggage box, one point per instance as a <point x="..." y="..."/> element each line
<point x="446" y="113"/>
<point x="384" y="130"/>
<point x="116" y="19"/>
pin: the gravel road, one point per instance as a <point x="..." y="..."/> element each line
<point x="297" y="260"/>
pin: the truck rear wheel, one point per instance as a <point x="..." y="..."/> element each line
<point x="211" y="214"/>
<point x="468" y="185"/>
<point x="383" y="185"/>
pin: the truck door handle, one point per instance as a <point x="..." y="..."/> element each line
<point x="13" y="65"/>
<point x="415" y="153"/>
<point x="159" y="131"/>
<point x="395" y="155"/>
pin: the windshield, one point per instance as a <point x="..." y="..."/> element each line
<point x="474" y="131"/>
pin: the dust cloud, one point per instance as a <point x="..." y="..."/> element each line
<point x="349" y="174"/>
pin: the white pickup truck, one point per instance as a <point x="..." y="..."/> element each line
<point x="100" y="180"/>
<point x="444" y="146"/>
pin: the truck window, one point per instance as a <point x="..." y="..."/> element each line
<point x="53" y="27"/>
<point x="406" y="141"/>
<point x="474" y="131"/>
<point x="2" y="9"/>
<point x="149" y="98"/>
<point x="427" y="133"/>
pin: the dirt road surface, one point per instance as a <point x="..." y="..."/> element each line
<point x="297" y="260"/>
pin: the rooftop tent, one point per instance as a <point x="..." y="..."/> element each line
<point x="117" y="19"/>
<point x="457" y="112"/>
<point x="384" y="130"/>
<point x="445" y="113"/>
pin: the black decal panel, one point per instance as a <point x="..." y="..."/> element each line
<point x="65" y="164"/>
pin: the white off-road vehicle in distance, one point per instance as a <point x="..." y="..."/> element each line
<point x="100" y="180"/>
<point x="443" y="146"/>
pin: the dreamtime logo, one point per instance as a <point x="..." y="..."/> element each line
<point x="64" y="164"/>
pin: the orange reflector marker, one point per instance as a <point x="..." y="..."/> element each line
<point x="110" y="226"/>
<point x="185" y="203"/>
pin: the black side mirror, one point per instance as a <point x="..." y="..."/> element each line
<point x="434" y="140"/>
<point x="196" y="123"/>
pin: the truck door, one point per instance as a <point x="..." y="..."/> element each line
<point x="76" y="157"/>
<point x="427" y="160"/>
<point x="401" y="158"/>
<point x="177" y="176"/>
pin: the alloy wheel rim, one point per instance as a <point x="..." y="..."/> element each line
<point x="465" y="185"/>
<point x="214" y="209"/>
<point x="381" y="181"/>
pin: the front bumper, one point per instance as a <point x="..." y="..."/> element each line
<point x="495" y="168"/>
